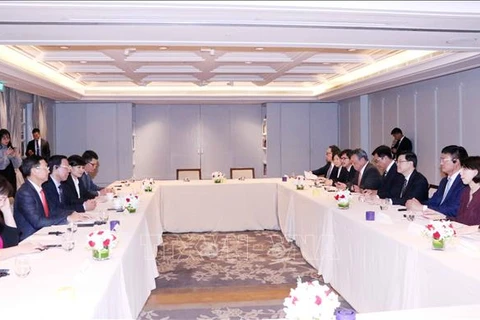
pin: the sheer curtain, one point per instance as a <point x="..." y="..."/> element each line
<point x="39" y="114"/>
<point x="3" y="111"/>
<point x="14" y="109"/>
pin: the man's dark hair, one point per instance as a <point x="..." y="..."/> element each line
<point x="89" y="155"/>
<point x="75" y="160"/>
<point x="35" y="130"/>
<point x="457" y="152"/>
<point x="383" y="151"/>
<point x="410" y="156"/>
<point x="29" y="163"/>
<point x="396" y="130"/>
<point x="347" y="152"/>
<point x="55" y="161"/>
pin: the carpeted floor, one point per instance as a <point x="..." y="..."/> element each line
<point x="222" y="265"/>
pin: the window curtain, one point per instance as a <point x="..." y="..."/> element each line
<point x="14" y="109"/>
<point x="3" y="111"/>
<point x="39" y="114"/>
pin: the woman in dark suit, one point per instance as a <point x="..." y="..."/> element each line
<point x="9" y="160"/>
<point x="74" y="192"/>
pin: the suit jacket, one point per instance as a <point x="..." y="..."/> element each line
<point x="322" y="171"/>
<point x="91" y="187"/>
<point x="44" y="147"/>
<point x="334" y="175"/>
<point x="417" y="188"/>
<point x="392" y="184"/>
<point x="54" y="200"/>
<point x="70" y="193"/>
<point x="29" y="214"/>
<point x="371" y="178"/>
<point x="451" y="204"/>
<point x="404" y="146"/>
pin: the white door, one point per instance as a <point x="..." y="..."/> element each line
<point x="184" y="134"/>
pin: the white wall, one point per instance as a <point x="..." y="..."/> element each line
<point x="432" y="113"/>
<point x="105" y="128"/>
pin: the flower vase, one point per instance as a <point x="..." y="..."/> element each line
<point x="300" y="187"/>
<point x="131" y="210"/>
<point x="438" y="244"/>
<point x="343" y="205"/>
<point x="217" y="180"/>
<point x="102" y="254"/>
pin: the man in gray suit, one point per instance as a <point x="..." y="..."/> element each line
<point x="367" y="176"/>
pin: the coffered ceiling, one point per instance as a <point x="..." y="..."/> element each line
<point x="160" y="51"/>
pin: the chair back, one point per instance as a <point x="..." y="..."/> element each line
<point x="191" y="174"/>
<point x="247" y="173"/>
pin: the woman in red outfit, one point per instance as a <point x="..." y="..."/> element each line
<point x="469" y="211"/>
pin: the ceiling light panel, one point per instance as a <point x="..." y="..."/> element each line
<point x="85" y="68"/>
<point x="75" y="56"/>
<point x="338" y="58"/>
<point x="164" y="56"/>
<point x="170" y="77"/>
<point x="167" y="69"/>
<point x="244" y="69"/>
<point x="313" y="69"/>
<point x="254" y="57"/>
<point x="237" y="77"/>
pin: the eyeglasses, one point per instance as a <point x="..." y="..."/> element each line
<point x="93" y="164"/>
<point x="445" y="159"/>
<point x="344" y="158"/>
<point x="401" y="161"/>
<point x="45" y="168"/>
<point x="66" y="167"/>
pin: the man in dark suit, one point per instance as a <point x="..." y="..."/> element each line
<point x="392" y="180"/>
<point x="347" y="172"/>
<point x="367" y="176"/>
<point x="31" y="209"/>
<point x="402" y="144"/>
<point x="54" y="187"/>
<point x="91" y="166"/>
<point x="446" y="199"/>
<point x="327" y="169"/>
<point x="38" y="146"/>
<point x="415" y="184"/>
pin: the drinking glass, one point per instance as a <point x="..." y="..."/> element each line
<point x="68" y="241"/>
<point x="72" y="227"/>
<point x="22" y="266"/>
<point x="103" y="216"/>
<point x="384" y="204"/>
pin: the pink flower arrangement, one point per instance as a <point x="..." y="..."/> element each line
<point x="101" y="239"/>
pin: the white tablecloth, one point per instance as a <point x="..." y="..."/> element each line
<point x="234" y="205"/>
<point x="71" y="285"/>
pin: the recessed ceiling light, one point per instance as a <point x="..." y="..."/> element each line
<point x="351" y="50"/>
<point x="163" y="48"/>
<point x="259" y="49"/>
<point x="83" y="61"/>
<point x="64" y="47"/>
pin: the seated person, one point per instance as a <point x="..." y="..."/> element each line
<point x="335" y="175"/>
<point x="91" y="166"/>
<point x="392" y="180"/>
<point x="74" y="190"/>
<point x="446" y="199"/>
<point x="367" y="176"/>
<point x="327" y="169"/>
<point x="31" y="208"/>
<point x="469" y="210"/>
<point x="415" y="184"/>
<point x="60" y="171"/>
<point x="347" y="172"/>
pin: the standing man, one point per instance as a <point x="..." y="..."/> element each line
<point x="38" y="146"/>
<point x="31" y="209"/>
<point x="415" y="184"/>
<point x="401" y="143"/>
<point x="446" y="199"/>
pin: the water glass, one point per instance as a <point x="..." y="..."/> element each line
<point x="72" y="227"/>
<point x="384" y="204"/>
<point x="68" y="241"/>
<point x="103" y="216"/>
<point x="22" y="266"/>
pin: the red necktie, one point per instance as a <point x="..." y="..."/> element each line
<point x="44" y="203"/>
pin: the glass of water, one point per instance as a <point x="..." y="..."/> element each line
<point x="103" y="216"/>
<point x="22" y="266"/>
<point x="385" y="204"/>
<point x="68" y="241"/>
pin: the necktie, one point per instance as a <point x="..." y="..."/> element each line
<point x="60" y="193"/>
<point x="329" y="172"/>
<point x="447" y="188"/>
<point x="403" y="187"/>
<point x="44" y="203"/>
<point x="37" y="143"/>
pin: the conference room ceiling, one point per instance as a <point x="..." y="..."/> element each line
<point x="165" y="52"/>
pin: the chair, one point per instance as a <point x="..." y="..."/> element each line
<point x="192" y="174"/>
<point x="247" y="173"/>
<point x="431" y="189"/>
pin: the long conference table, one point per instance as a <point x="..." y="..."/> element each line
<point x="381" y="265"/>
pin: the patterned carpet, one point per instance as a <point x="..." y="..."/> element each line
<point x="234" y="259"/>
